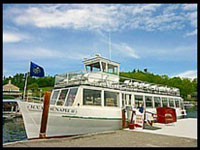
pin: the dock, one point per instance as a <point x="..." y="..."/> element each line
<point x="182" y="128"/>
<point x="179" y="134"/>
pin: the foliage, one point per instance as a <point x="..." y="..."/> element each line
<point x="33" y="82"/>
<point x="8" y="97"/>
<point x="186" y="86"/>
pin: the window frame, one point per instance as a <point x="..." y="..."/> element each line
<point x="59" y="90"/>
<point x="135" y="95"/>
<point x="176" y="99"/>
<point x="118" y="100"/>
<point x="156" y="100"/>
<point x="151" y="101"/>
<point x="65" y="96"/>
<point x="93" y="103"/>
<point x="166" y="100"/>
<point x="69" y="89"/>
<point x="171" y="99"/>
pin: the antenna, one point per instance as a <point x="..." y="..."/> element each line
<point x="109" y="45"/>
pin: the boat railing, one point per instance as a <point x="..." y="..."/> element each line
<point x="124" y="83"/>
<point x="33" y="99"/>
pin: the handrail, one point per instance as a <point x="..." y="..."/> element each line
<point x="77" y="77"/>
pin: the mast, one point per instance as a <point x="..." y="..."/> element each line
<point x="109" y="45"/>
<point x="25" y="86"/>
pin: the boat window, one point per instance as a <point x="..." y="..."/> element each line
<point x="61" y="99"/>
<point x="157" y="101"/>
<point x="54" y="97"/>
<point x="171" y="102"/>
<point x="164" y="102"/>
<point x="93" y="67"/>
<point x="181" y="102"/>
<point x="112" y="69"/>
<point x="123" y="99"/>
<point x="138" y="100"/>
<point x="148" y="101"/>
<point x="91" y="97"/>
<point x="177" y="103"/>
<point x="71" y="97"/>
<point x="111" y="99"/>
<point x="129" y="96"/>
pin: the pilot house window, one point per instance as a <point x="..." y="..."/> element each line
<point x="112" y="69"/>
<point x="93" y="67"/>
<point x="91" y="97"/>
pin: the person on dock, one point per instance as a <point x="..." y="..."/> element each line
<point x="141" y="108"/>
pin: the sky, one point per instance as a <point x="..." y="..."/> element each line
<point x="159" y="37"/>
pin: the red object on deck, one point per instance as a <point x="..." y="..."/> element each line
<point x="131" y="126"/>
<point x="166" y="115"/>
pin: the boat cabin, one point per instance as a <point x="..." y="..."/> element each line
<point x="99" y="85"/>
<point x="97" y="96"/>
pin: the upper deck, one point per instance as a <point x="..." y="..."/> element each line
<point x="105" y="73"/>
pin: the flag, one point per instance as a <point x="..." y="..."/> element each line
<point x="36" y="70"/>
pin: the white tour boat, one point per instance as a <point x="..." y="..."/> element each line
<point x="92" y="101"/>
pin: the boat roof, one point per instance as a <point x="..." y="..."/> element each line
<point x="97" y="58"/>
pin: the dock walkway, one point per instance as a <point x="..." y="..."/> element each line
<point x="182" y="128"/>
<point x="118" y="138"/>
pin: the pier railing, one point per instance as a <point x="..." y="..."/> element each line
<point x="107" y="80"/>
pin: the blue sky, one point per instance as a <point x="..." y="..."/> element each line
<point x="159" y="37"/>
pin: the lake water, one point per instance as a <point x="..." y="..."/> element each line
<point x="13" y="130"/>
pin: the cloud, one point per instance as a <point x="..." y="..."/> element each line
<point x="103" y="17"/>
<point x="188" y="74"/>
<point x="191" y="33"/>
<point x="41" y="53"/>
<point x="125" y="49"/>
<point x="122" y="48"/>
<point x="9" y="37"/>
<point x="189" y="6"/>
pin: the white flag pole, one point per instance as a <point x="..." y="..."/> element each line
<point x="26" y="83"/>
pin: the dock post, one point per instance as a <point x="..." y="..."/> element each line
<point x="123" y="119"/>
<point x="44" y="115"/>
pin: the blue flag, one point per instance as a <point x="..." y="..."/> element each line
<point x="36" y="70"/>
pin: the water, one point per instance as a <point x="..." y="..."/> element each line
<point x="191" y="112"/>
<point x="13" y="130"/>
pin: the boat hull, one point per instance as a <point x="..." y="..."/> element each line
<point x="73" y="121"/>
<point x="62" y="124"/>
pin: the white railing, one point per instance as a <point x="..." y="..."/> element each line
<point x="84" y="77"/>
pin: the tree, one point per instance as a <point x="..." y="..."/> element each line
<point x="34" y="87"/>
